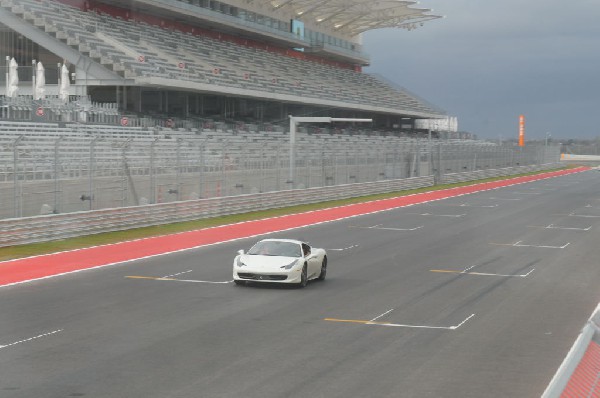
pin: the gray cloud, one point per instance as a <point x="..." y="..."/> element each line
<point x="489" y="61"/>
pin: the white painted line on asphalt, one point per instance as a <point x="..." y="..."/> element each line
<point x="552" y="226"/>
<point x="179" y="273"/>
<point x="177" y="280"/>
<point x="494" y="198"/>
<point x="438" y="215"/>
<point x="544" y="247"/>
<point x="398" y="229"/>
<point x="592" y="207"/>
<point x="400" y="325"/>
<point x="463" y="322"/>
<point x="196" y="281"/>
<point x="582" y="215"/>
<point x="469" y="268"/>
<point x="388" y="228"/>
<point x="30" y="339"/>
<point x="344" y="249"/>
<point x="482" y="273"/>
<point x="485" y="206"/>
<point x="462" y="205"/>
<point x="519" y="244"/>
<point x="384" y="314"/>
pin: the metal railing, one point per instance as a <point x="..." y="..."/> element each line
<point x="19" y="231"/>
<point x="561" y="380"/>
<point x="45" y="168"/>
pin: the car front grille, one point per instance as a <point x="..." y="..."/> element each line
<point x="261" y="277"/>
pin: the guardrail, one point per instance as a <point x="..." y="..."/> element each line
<point x="590" y="160"/>
<point x="575" y="377"/>
<point x="19" y="231"/>
<point x="454" y="178"/>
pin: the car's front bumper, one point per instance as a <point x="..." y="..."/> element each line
<point x="253" y="275"/>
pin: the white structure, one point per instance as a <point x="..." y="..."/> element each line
<point x="347" y="18"/>
<point x="40" y="82"/>
<point x="65" y="83"/>
<point x="13" y="79"/>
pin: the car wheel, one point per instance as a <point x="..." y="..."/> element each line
<point x="303" y="277"/>
<point x="323" y="273"/>
<point x="239" y="283"/>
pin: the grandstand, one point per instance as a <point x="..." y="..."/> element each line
<point x="208" y="60"/>
<point x="166" y="100"/>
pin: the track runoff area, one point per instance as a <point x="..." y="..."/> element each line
<point x="473" y="291"/>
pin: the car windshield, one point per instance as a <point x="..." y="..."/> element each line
<point x="275" y="248"/>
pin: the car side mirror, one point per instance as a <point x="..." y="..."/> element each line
<point x="240" y="252"/>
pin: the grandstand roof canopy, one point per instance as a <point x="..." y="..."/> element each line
<point x="352" y="17"/>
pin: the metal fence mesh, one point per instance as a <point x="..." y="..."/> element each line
<point x="47" y="172"/>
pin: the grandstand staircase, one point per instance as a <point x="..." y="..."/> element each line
<point x="61" y="32"/>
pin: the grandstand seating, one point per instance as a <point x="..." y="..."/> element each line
<point x="137" y="50"/>
<point x="72" y="143"/>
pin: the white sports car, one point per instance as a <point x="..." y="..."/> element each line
<point x="281" y="261"/>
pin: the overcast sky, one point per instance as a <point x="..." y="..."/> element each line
<point x="488" y="61"/>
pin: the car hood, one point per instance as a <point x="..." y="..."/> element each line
<point x="273" y="263"/>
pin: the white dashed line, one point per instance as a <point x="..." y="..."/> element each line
<point x="438" y="215"/>
<point x="384" y="314"/>
<point x="344" y="249"/>
<point x="30" y="339"/>
<point x="179" y="273"/>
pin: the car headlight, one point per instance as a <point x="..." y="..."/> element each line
<point x="290" y="265"/>
<point x="239" y="262"/>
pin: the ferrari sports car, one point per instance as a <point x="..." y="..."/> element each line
<point x="281" y="261"/>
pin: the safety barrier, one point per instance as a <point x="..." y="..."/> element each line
<point x="454" y="178"/>
<point x="19" y="231"/>
<point x="579" y="374"/>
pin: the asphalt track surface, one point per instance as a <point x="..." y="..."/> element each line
<point x="480" y="295"/>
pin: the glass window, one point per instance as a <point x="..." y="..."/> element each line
<point x="276" y="248"/>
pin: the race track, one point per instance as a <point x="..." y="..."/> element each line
<point x="480" y="295"/>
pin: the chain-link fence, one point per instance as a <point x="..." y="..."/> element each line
<point x="43" y="172"/>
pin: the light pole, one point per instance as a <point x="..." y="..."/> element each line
<point x="548" y="135"/>
<point x="201" y="167"/>
<point x="15" y="175"/>
<point x="91" y="167"/>
<point x="152" y="174"/>
<point x="178" y="174"/>
<point x="56" y="172"/>
<point x="224" y="157"/>
<point x="126" y="173"/>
